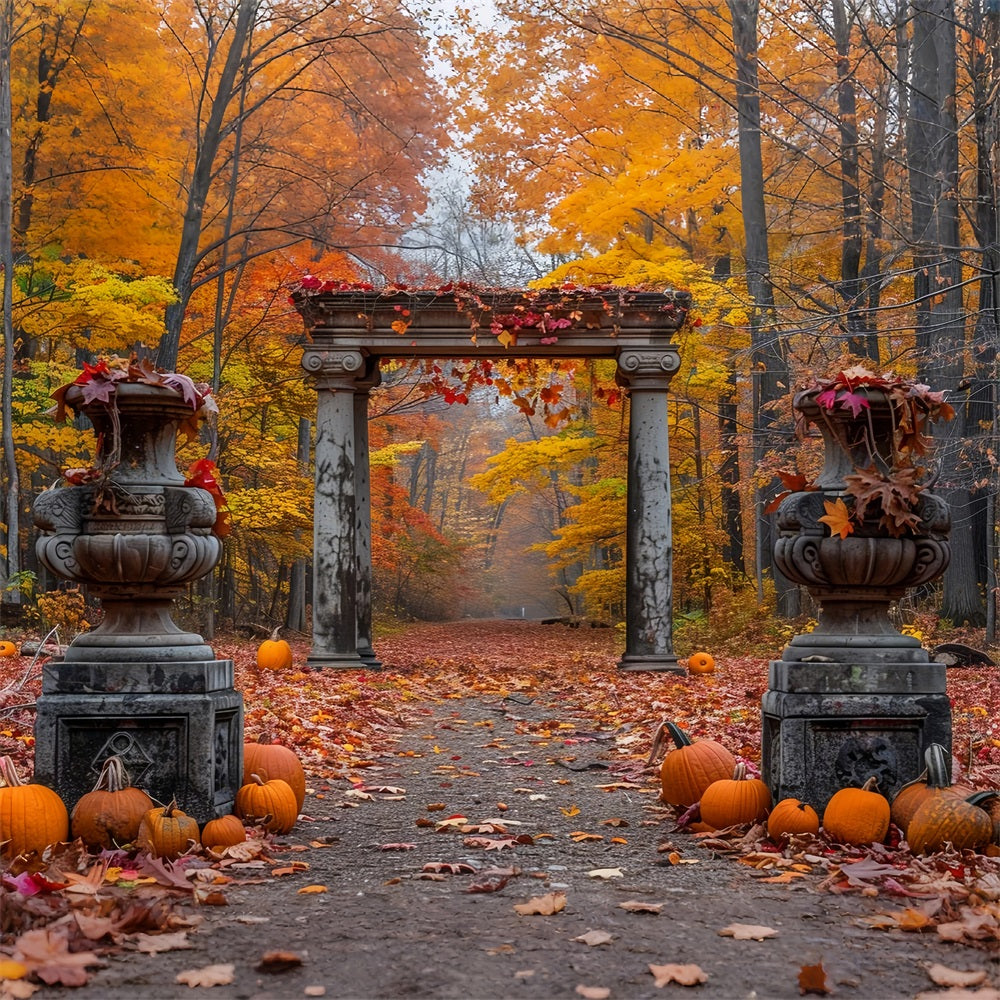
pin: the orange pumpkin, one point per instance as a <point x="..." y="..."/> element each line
<point x="736" y="800"/>
<point x="936" y="778"/>
<point x="109" y="815"/>
<point x="857" y="815"/>
<point x="270" y="804"/>
<point x="7" y="648"/>
<point x="989" y="800"/>
<point x="167" y="832"/>
<point x="272" y="760"/>
<point x="789" y="817"/>
<point x="31" y="816"/>
<point x="701" y="663"/>
<point x="274" y="653"/>
<point x="225" y="831"/>
<point x="690" y="767"/>
<point x="945" y="818"/>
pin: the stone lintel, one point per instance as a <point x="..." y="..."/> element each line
<point x="457" y="325"/>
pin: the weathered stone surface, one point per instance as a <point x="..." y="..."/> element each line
<point x="350" y="331"/>
<point x="174" y="745"/>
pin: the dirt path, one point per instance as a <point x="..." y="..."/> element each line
<point x="397" y="915"/>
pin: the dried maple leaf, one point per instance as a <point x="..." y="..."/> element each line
<point x="637" y="906"/>
<point x="278" y="961"/>
<point x="449" y="867"/>
<point x="593" y="992"/>
<point x="941" y="975"/>
<point x="488" y="885"/>
<point x="209" y="975"/>
<point x="152" y="944"/>
<point x="813" y="979"/>
<point x="45" y="951"/>
<point x="748" y="932"/>
<point x="686" y="975"/>
<point x="545" y="906"/>
<point x="837" y="518"/>
<point x="595" y="938"/>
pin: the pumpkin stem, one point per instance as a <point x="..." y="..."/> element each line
<point x="984" y="796"/>
<point x="938" y="766"/>
<point x="740" y="771"/>
<point x="274" y="634"/>
<point x="113" y="776"/>
<point x="680" y="738"/>
<point x="871" y="785"/>
<point x="8" y="773"/>
<point x="677" y="734"/>
<point x="171" y="809"/>
<point x="258" y="779"/>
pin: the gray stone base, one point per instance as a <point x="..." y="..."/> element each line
<point x="183" y="740"/>
<point x="656" y="662"/>
<point x="338" y="661"/>
<point x="831" y="725"/>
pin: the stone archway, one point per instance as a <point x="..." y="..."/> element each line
<point x="348" y="332"/>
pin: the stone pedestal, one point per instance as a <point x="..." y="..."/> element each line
<point x="177" y="727"/>
<point x="137" y="686"/>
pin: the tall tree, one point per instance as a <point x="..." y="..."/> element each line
<point x="933" y="161"/>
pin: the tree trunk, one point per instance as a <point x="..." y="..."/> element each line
<point x="932" y="159"/>
<point x="209" y="141"/>
<point x="768" y="361"/>
<point x="9" y="567"/>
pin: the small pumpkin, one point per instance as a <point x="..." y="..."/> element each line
<point x="109" y="815"/>
<point x="701" y="663"/>
<point x="274" y="653"/>
<point x="989" y="801"/>
<point x="225" y="831"/>
<point x="167" y="832"/>
<point x="7" y="648"/>
<point x="270" y="804"/>
<point x="857" y="815"/>
<point x="736" y="800"/>
<point x="935" y="777"/>
<point x="690" y="767"/>
<point x="946" y="818"/>
<point x="791" y="816"/>
<point x="272" y="760"/>
<point x="32" y="816"/>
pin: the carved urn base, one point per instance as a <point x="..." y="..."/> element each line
<point x="178" y="727"/>
<point x="831" y="724"/>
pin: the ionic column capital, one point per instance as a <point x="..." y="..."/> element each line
<point x="649" y="368"/>
<point x="335" y="369"/>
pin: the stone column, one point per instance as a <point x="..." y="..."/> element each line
<point x="648" y="553"/>
<point x="363" y="499"/>
<point x="335" y="551"/>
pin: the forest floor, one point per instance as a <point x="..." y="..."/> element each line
<point x="481" y="822"/>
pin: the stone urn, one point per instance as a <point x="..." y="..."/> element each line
<point x="855" y="697"/>
<point x="138" y="686"/>
<point x="856" y="578"/>
<point x="137" y="535"/>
